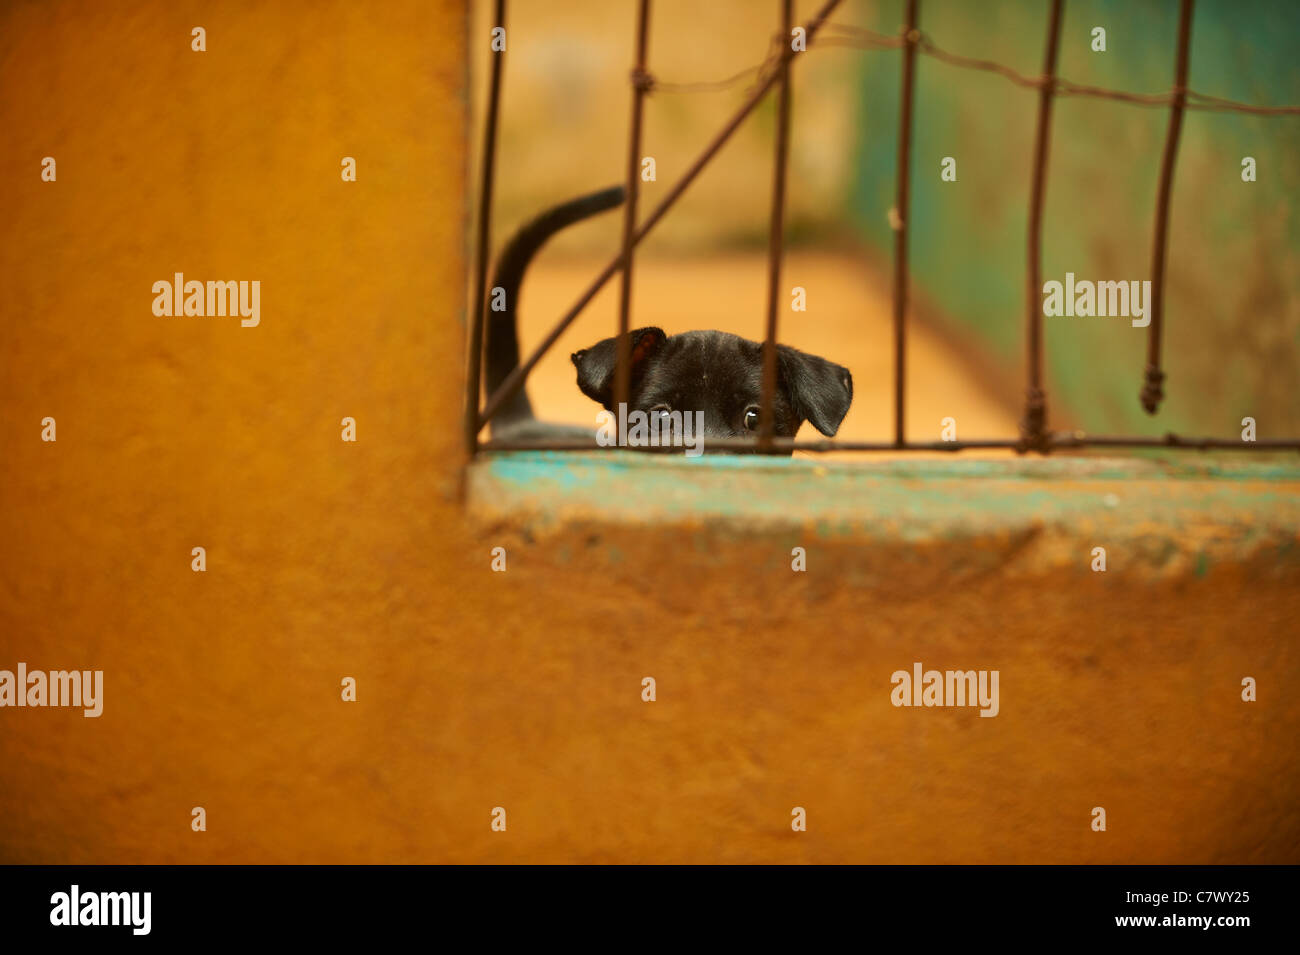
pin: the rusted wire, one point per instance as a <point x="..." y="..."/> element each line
<point x="1214" y="103"/>
<point x="773" y="69"/>
<point x="641" y="84"/>
<point x="863" y="39"/>
<point x="515" y="380"/>
<point x="1170" y="440"/>
<point x="901" y="214"/>
<point x="753" y="73"/>
<point x="1034" y="426"/>
<point x="1153" y="377"/>
<point x="776" y="235"/>
<point x="476" y="317"/>
<point x="1063" y="441"/>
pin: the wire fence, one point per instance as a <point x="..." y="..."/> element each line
<point x="773" y="71"/>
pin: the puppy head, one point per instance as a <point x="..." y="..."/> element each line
<point x="722" y="376"/>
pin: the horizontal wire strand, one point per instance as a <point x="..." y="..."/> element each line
<point x="862" y="38"/>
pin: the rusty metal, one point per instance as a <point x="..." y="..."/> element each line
<point x="864" y="39"/>
<point x="641" y="84"/>
<point x="1079" y="440"/>
<point x="1153" y="378"/>
<point x="902" y="210"/>
<point x="778" y="444"/>
<point x="775" y="70"/>
<point x="776" y="235"/>
<point x="514" y="381"/>
<point x="825" y="446"/>
<point x="476" y="317"/>
<point x="1033" y="428"/>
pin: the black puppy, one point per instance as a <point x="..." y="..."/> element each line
<point x="715" y="373"/>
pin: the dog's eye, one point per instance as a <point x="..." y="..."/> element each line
<point x="661" y="410"/>
<point x="751" y="418"/>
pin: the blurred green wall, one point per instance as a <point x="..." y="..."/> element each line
<point x="1232" y="319"/>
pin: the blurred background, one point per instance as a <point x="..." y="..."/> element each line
<point x="1232" y="338"/>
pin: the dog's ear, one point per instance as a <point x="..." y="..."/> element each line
<point x="820" y="390"/>
<point x="596" y="364"/>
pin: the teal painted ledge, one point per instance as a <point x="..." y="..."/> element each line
<point x="1188" y="500"/>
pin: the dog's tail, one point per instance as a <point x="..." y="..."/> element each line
<point x="502" y="345"/>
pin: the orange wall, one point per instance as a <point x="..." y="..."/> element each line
<point x="475" y="689"/>
<point x="222" y="687"/>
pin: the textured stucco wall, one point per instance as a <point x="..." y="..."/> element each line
<point x="478" y="689"/>
<point x="1118" y="689"/>
<point x="325" y="559"/>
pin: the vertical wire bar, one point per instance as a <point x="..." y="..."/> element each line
<point x="474" y="370"/>
<point x="1034" y="426"/>
<point x="901" y="211"/>
<point x="775" y="241"/>
<point x="1153" y="383"/>
<point x="640" y="85"/>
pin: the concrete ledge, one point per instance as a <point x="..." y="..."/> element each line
<point x="1177" y="512"/>
<point x="1119" y="689"/>
<point x="917" y="495"/>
